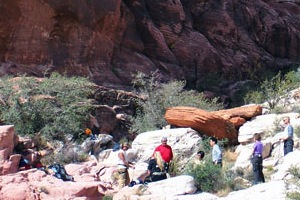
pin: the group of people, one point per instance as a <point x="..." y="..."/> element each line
<point x="158" y="166"/>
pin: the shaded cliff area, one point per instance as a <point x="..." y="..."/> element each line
<point x="108" y="41"/>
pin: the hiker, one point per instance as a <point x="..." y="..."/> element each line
<point x="165" y="151"/>
<point x="156" y="171"/>
<point x="59" y="171"/>
<point x="24" y="164"/>
<point x="257" y="159"/>
<point x="123" y="164"/>
<point x="216" y="151"/>
<point x="288" y="142"/>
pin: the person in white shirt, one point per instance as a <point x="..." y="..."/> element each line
<point x="288" y="136"/>
<point x="216" y="151"/>
<point x="123" y="164"/>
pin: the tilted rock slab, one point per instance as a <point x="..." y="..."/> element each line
<point x="246" y="112"/>
<point x="202" y="121"/>
<point x="239" y="115"/>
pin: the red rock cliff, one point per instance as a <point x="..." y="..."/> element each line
<point x="109" y="40"/>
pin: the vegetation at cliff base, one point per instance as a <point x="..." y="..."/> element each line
<point x="55" y="107"/>
<point x="273" y="90"/>
<point x="159" y="96"/>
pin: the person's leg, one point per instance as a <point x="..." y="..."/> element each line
<point x="127" y="178"/>
<point x="260" y="171"/>
<point x="255" y="170"/>
<point x="143" y="175"/>
<point x="122" y="178"/>
<point x="140" y="179"/>
<point x="285" y="148"/>
<point x="289" y="146"/>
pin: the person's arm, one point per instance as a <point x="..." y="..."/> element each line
<point x="122" y="157"/>
<point x="171" y="154"/>
<point x="254" y="148"/>
<point x="126" y="163"/>
<point x="288" y="133"/>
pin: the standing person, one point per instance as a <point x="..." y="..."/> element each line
<point x="216" y="151"/>
<point x="165" y="151"/>
<point x="288" y="136"/>
<point x="257" y="159"/>
<point x="123" y="164"/>
<point x="156" y="171"/>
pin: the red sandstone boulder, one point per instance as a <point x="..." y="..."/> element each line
<point x="202" y="121"/>
<point x="237" y="121"/>
<point x="246" y="112"/>
<point x="8" y="162"/>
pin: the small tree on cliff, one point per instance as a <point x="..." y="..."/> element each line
<point x="159" y="96"/>
<point x="275" y="89"/>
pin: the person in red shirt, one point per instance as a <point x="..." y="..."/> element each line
<point x="165" y="152"/>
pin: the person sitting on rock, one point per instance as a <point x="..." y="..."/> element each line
<point x="199" y="158"/>
<point x="156" y="171"/>
<point x="166" y="152"/>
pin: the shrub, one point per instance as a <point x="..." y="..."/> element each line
<point x="159" y="96"/>
<point x="64" y="157"/>
<point x="274" y="89"/>
<point x="295" y="171"/>
<point x="208" y="177"/>
<point x="55" y="106"/>
<point x="174" y="168"/>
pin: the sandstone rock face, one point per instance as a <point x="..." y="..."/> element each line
<point x="109" y="40"/>
<point x="202" y="121"/>
<point x="8" y="163"/>
<point x="247" y="112"/>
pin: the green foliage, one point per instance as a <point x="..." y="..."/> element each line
<point x="174" y="167"/>
<point x="55" y="106"/>
<point x="159" y="96"/>
<point x="297" y="131"/>
<point x="208" y="177"/>
<point x="274" y="89"/>
<point x="293" y="195"/>
<point x="107" y="198"/>
<point x="64" y="157"/>
<point x="295" y="171"/>
<point x="210" y="82"/>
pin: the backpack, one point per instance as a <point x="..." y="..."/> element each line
<point x="60" y="172"/>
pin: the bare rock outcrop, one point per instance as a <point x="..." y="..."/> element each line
<point x="108" y="41"/>
<point x="202" y="121"/>
<point x="8" y="162"/>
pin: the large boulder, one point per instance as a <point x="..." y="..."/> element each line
<point x="8" y="163"/>
<point x="185" y="142"/>
<point x="164" y="189"/>
<point x="202" y="121"/>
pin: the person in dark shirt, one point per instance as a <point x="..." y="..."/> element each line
<point x="257" y="160"/>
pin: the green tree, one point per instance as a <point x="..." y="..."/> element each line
<point x="274" y="89"/>
<point x="159" y="96"/>
<point x="55" y="107"/>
